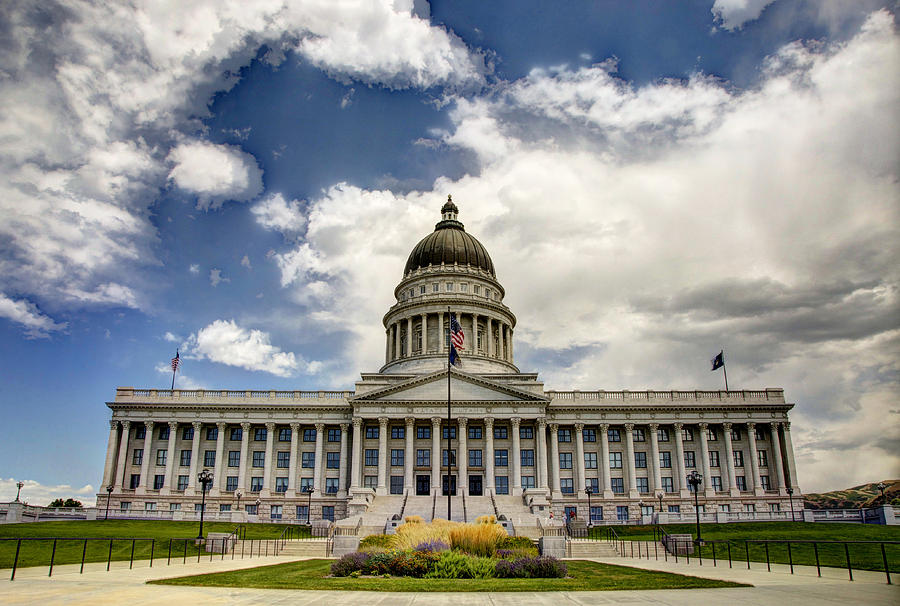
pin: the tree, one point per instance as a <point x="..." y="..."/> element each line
<point x="66" y="503"/>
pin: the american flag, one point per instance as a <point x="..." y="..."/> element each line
<point x="175" y="362"/>
<point x="457" y="340"/>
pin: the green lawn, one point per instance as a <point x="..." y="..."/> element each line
<point x="37" y="553"/>
<point x="865" y="557"/>
<point x="313" y="574"/>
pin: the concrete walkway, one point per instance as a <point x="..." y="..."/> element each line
<point x="121" y="585"/>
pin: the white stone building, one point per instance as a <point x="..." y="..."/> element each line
<point x="383" y="448"/>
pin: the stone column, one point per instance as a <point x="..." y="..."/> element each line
<point x="387" y="345"/>
<point x="170" y="459"/>
<point x="409" y="336"/>
<point x="542" y="453"/>
<point x="605" y="482"/>
<point x="554" y="459"/>
<point x="383" y="455"/>
<point x="500" y="343"/>
<point x="442" y="343"/>
<point x="789" y="458"/>
<point x="111" y="448"/>
<point x="778" y="463"/>
<point x="267" y="462"/>
<point x="516" y="455"/>
<point x="681" y="484"/>
<point x="729" y="460"/>
<point x="654" y="458"/>
<point x="292" y="463"/>
<point x="704" y="459"/>
<point x="436" y="455"/>
<point x="356" y="464"/>
<point x="342" y="471"/>
<point x="462" y="459"/>
<point x="219" y="468"/>
<point x="424" y="334"/>
<point x="489" y="455"/>
<point x="754" y="459"/>
<point x="145" y="462"/>
<point x="319" y="463"/>
<point x="396" y="340"/>
<point x="245" y="447"/>
<point x="123" y="455"/>
<point x="579" y="459"/>
<point x="628" y="464"/>
<point x="409" y="457"/>
<point x="489" y="334"/>
<point x="195" y="456"/>
<point x="510" y="344"/>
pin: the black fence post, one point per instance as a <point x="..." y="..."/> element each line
<point x="816" y="550"/>
<point x="131" y="562"/>
<point x="169" y="556"/>
<point x="184" y="561"/>
<point x="83" y="553"/>
<point x="768" y="564"/>
<point x="109" y="555"/>
<point x="790" y="557"/>
<point x="152" y="547"/>
<point x="52" y="557"/>
<point x="747" y="548"/>
<point x="728" y="544"/>
<point x="886" y="569"/>
<point x="847" y="551"/>
<point x="12" y="577"/>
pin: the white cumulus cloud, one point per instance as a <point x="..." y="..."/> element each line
<point x="36" y="324"/>
<point x="216" y="277"/>
<point x="276" y="213"/>
<point x="215" y="173"/>
<point x="35" y="493"/>
<point x="733" y="14"/>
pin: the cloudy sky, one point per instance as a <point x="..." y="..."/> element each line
<point x="244" y="180"/>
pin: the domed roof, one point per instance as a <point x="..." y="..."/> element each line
<point x="449" y="244"/>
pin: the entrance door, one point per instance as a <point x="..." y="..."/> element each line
<point x="571" y="512"/>
<point x="423" y="485"/>
<point x="449" y="486"/>
<point x="475" y="486"/>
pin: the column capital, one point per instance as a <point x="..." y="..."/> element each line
<point x="149" y="424"/>
<point x="410" y="421"/>
<point x="435" y="421"/>
<point x="270" y="427"/>
<point x="775" y="424"/>
<point x="604" y="427"/>
<point x="245" y="426"/>
<point x="488" y="423"/>
<point x="542" y="422"/>
<point x="221" y="425"/>
<point x="703" y="426"/>
<point x="787" y="425"/>
<point x="751" y="426"/>
<point x="357" y="422"/>
<point x="554" y="426"/>
<point x="516" y="421"/>
<point x="463" y="421"/>
<point x="579" y="427"/>
<point x="726" y="426"/>
<point x="629" y="427"/>
<point x="126" y="424"/>
<point x="678" y="426"/>
<point x="383" y="421"/>
<point x="295" y="427"/>
<point x="173" y="425"/>
<point x="345" y="426"/>
<point x="653" y="426"/>
<point x="113" y="424"/>
<point x="320" y="427"/>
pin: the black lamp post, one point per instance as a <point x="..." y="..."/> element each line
<point x="881" y="486"/>
<point x="19" y="486"/>
<point x="659" y="497"/>
<point x="695" y="479"/>
<point x="641" y="512"/>
<point x="238" y="494"/>
<point x="109" y="490"/>
<point x="790" y="492"/>
<point x="205" y="478"/>
<point x="589" y="491"/>
<point x="308" y="490"/>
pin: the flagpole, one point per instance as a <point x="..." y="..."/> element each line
<point x="449" y="452"/>
<point x="725" y="372"/>
<point x="174" y="369"/>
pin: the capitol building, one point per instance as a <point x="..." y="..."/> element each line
<point x="516" y="449"/>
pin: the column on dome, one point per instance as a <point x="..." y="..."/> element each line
<point x="628" y="464"/>
<point x="778" y="463"/>
<point x="681" y="482"/>
<point x="501" y="353"/>
<point x="442" y="341"/>
<point x="292" y="462"/>
<point x="489" y="335"/>
<point x="579" y="459"/>
<point x="789" y="457"/>
<point x="245" y="448"/>
<point x="605" y="482"/>
<point x="424" y="333"/>
<point x="170" y="458"/>
<point x="654" y="458"/>
<point x="123" y="454"/>
<point x="111" y="447"/>
<point x="383" y="456"/>
<point x="489" y="455"/>
<point x="754" y="459"/>
<point x="704" y="456"/>
<point x="475" y="349"/>
<point x="436" y="455"/>
<point x="356" y="460"/>
<point x="396" y="326"/>
<point x="409" y="336"/>
<point x="409" y="455"/>
<point x="387" y="345"/>
<point x="462" y="458"/>
<point x="516" y="456"/>
<point x="510" y="346"/>
<point x="542" y="453"/>
<point x="319" y="460"/>
<point x="342" y="470"/>
<point x="219" y="467"/>
<point x="729" y="460"/>
<point x="145" y="462"/>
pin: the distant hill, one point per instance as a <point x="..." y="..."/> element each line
<point x="865" y="495"/>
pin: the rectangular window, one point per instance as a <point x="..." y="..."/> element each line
<point x="667" y="484"/>
<point x="763" y="458"/>
<point x="711" y="434"/>
<point x="135" y="480"/>
<point x="212" y="433"/>
<point x="309" y="434"/>
<point x="475" y="457"/>
<point x="640" y="460"/>
<point x="371" y="457"/>
<point x="423" y="432"/>
<point x="209" y="458"/>
<point x="284" y="434"/>
<point x="396" y="457"/>
<point x="259" y="434"/>
<point x="306" y="484"/>
<point x="642" y="485"/>
<point x="526" y="433"/>
<point x="774" y="507"/>
<point x="231" y="483"/>
<point x="158" y="481"/>
<point x="423" y="457"/>
<point x="566" y="486"/>
<point x="140" y="432"/>
<point x="750" y="507"/>
<point x="593" y="484"/>
<point x="725" y="508"/>
<point x="527" y="482"/>
<point x="501" y="457"/>
<point x="302" y="512"/>
<point x="370" y="481"/>
<point x="475" y="432"/>
<point x="256" y="484"/>
<point x="251" y="510"/>
<point x="596" y="514"/>
<point x="371" y="432"/>
<point x="764" y="482"/>
<point x="760" y="433"/>
<point x="331" y="485"/>
<point x="613" y="435"/>
<point x="187" y="433"/>
<point x="164" y="432"/>
<point x="396" y="484"/>
<point x="259" y="458"/>
<point x="617" y="485"/>
<point x="281" y="485"/>
<point x="398" y="432"/>
<point x="564" y="435"/>
<point x="464" y="287"/>
<point x="713" y="458"/>
<point x="665" y="460"/>
<point x="621" y="512"/>
<point x="444" y="457"/>
<point x="328" y="512"/>
<point x="741" y="482"/>
<point x="334" y="434"/>
<point x="589" y="435"/>
<point x="185" y="460"/>
<point x="662" y="435"/>
<point x="449" y="286"/>
<point x="452" y="433"/>
<point x="501" y="432"/>
<point x="674" y="509"/>
<point x="687" y="434"/>
<point x="137" y="457"/>
<point x="716" y="483"/>
<point x="174" y="506"/>
<point x="182" y="482"/>
<point x="283" y="459"/>
<point x="422" y="289"/>
<point x="501" y="484"/>
<point x="639" y="435"/>
<point x="435" y="287"/>
<point x="689" y="460"/>
<point x="735" y="433"/>
<point x="234" y="458"/>
<point x="738" y="458"/>
<point x="332" y="460"/>
<point x="527" y="457"/>
<point x="236" y="434"/>
<point x="223" y="507"/>
<point x="161" y="455"/>
<point x="308" y="459"/>
<point x="590" y="460"/>
<point x="615" y="460"/>
<point x="149" y="506"/>
<point x="565" y="460"/>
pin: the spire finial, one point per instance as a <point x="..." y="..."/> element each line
<point x="449" y="210"/>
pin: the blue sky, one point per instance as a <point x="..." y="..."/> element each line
<point x="654" y="181"/>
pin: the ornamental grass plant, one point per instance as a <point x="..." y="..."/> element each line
<point x="477" y="539"/>
<point x="411" y="534"/>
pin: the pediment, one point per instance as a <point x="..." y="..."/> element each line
<point x="463" y="387"/>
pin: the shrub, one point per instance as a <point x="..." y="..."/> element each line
<point x="486" y="519"/>
<point x="379" y="563"/>
<point x="434" y="545"/>
<point x="478" y="539"/>
<point x="411" y="534"/>
<point x="514" y="543"/>
<point x="515" y="554"/>
<point x="510" y="569"/>
<point x="456" y="565"/>
<point x="348" y="564"/>
<point x="414" y="520"/>
<point x="543" y="567"/>
<point x="375" y="540"/>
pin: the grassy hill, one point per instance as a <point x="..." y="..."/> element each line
<point x="865" y="495"/>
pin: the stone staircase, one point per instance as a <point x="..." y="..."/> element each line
<point x="419" y="506"/>
<point x="585" y="548"/>
<point x="456" y="508"/>
<point x="477" y="507"/>
<point x="305" y="548"/>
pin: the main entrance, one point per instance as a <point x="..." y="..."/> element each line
<point x="449" y="486"/>
<point x="475" y="487"/>
<point x="423" y="485"/>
